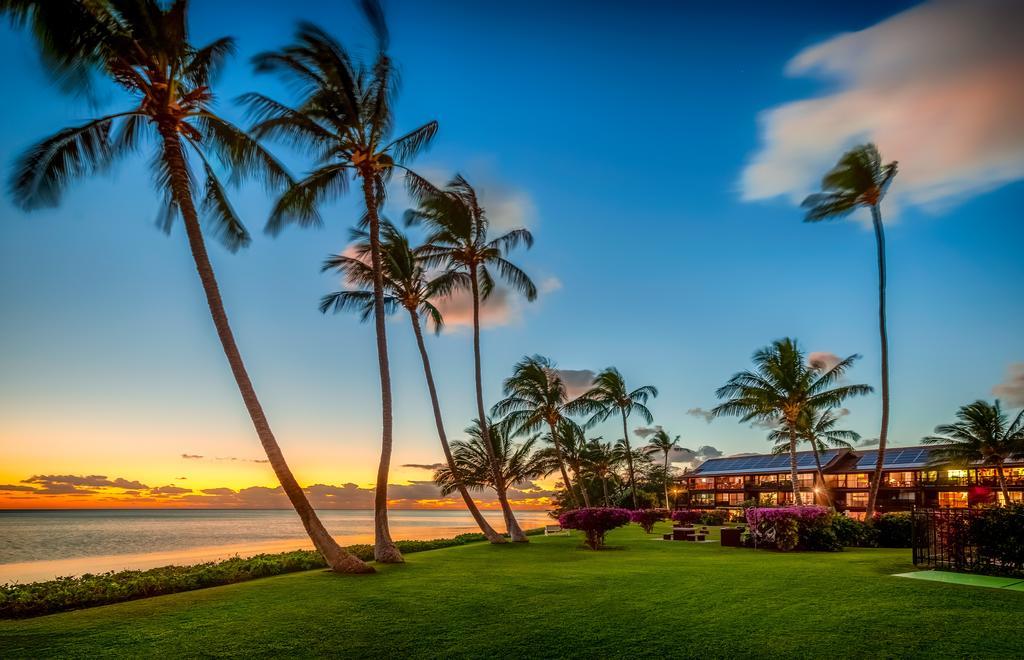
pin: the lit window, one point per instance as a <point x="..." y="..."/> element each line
<point x="857" y="500"/>
<point x="956" y="499"/>
<point x="956" y="474"/>
<point x="1016" y="496"/>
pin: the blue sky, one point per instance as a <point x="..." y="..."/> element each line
<point x="619" y="134"/>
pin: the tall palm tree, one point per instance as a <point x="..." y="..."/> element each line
<point x="663" y="443"/>
<point x="981" y="435"/>
<point x="535" y="397"/>
<point x="344" y="119"/>
<point x="860" y="179"/>
<point x="518" y="463"/>
<point x="602" y="461"/>
<point x="406" y="285"/>
<point x="459" y="240"/>
<point x="817" y="428"/>
<point x="608" y="395"/>
<point x="144" y="49"/>
<point x="575" y="453"/>
<point x="783" y="387"/>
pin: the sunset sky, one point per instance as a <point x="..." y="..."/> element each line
<point x="658" y="152"/>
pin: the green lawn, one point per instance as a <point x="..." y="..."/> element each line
<point x="552" y="598"/>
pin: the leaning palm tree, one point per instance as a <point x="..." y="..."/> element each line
<point x="518" y="464"/>
<point x="817" y="428"/>
<point x="406" y="285"/>
<point x="782" y="388"/>
<point x="609" y="395"/>
<point x="459" y="240"/>
<point x="343" y="118"/>
<point x="662" y="443"/>
<point x="144" y="49"/>
<point x="534" y="398"/>
<point x="861" y="179"/>
<point x="981" y="435"/>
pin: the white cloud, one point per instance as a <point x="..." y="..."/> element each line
<point x="1011" y="390"/>
<point x="823" y="358"/>
<point x="936" y="87"/>
<point x="576" y="381"/>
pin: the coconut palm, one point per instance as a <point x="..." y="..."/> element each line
<point x="602" y="462"/>
<point x="662" y="443"/>
<point x="859" y="180"/>
<point x="459" y="240"/>
<point x="518" y="464"/>
<point x="817" y="428"/>
<point x="406" y="285"/>
<point x="343" y="118"/>
<point x="782" y="388"/>
<point x="575" y="453"/>
<point x="144" y="49"/>
<point x="534" y="398"/>
<point x="980" y="436"/>
<point x="609" y="395"/>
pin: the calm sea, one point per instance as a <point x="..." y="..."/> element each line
<point x="36" y="545"/>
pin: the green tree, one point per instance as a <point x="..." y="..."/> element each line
<point x="406" y="285"/>
<point x="575" y="453"/>
<point x="609" y="395"/>
<point x="817" y="428"/>
<point x="143" y="48"/>
<point x="344" y="120"/>
<point x="662" y="443"/>
<point x="602" y="462"/>
<point x="459" y="240"/>
<point x="861" y="179"/>
<point x="783" y="387"/>
<point x="981" y="435"/>
<point x="534" y="398"/>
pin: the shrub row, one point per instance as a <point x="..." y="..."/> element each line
<point x="90" y="590"/>
<point x="700" y="516"/>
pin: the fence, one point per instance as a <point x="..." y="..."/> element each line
<point x="962" y="540"/>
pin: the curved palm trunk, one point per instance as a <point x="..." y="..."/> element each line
<point x="561" y="466"/>
<point x="792" y="468"/>
<point x="604" y="488"/>
<point x="1002" y="483"/>
<point x="667" y="506"/>
<point x="876" y="221"/>
<point x="512" y="525"/>
<point x="485" y="527"/>
<point x="629" y="458"/>
<point x="384" y="549"/>
<point x="583" y="487"/>
<point x="338" y="559"/>
<point x="821" y="475"/>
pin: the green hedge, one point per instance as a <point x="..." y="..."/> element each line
<point x="69" y="593"/>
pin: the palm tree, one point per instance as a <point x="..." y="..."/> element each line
<point x="817" y="428"/>
<point x="860" y="179"/>
<point x="602" y="462"/>
<point x="782" y="388"/>
<point x="575" y="452"/>
<point x="406" y="285"/>
<point x="609" y="395"/>
<point x="144" y="49"/>
<point x="459" y="241"/>
<point x="518" y="464"/>
<point x="661" y="442"/>
<point x="535" y="397"/>
<point x="344" y="118"/>
<point x="980" y="436"/>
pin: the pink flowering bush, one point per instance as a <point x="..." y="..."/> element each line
<point x="594" y="523"/>
<point x="647" y="517"/>
<point x="792" y="527"/>
<point x="686" y="516"/>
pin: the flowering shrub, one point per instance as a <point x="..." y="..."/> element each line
<point x="647" y="517"/>
<point x="594" y="522"/>
<point x="792" y="527"/>
<point x="713" y="517"/>
<point x="686" y="516"/>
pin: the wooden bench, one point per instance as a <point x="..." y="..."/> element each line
<point x="555" y="530"/>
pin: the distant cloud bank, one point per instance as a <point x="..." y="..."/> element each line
<point x="1011" y="390"/>
<point x="936" y="87"/>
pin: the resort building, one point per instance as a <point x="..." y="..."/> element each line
<point x="910" y="478"/>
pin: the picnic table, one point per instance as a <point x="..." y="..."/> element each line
<point x="686" y="534"/>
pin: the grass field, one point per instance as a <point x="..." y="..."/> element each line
<point x="551" y="598"/>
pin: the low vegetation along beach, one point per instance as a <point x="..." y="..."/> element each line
<point x="552" y="597"/>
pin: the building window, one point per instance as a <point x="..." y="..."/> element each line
<point x="703" y="499"/>
<point x="768" y="499"/>
<point x="857" y="500"/>
<point x="805" y="480"/>
<point x="855" y="480"/>
<point x="767" y="479"/>
<point x="729" y="483"/>
<point x="954" y="499"/>
<point x="1016" y="497"/>
<point x="899" y="479"/>
<point x="703" y="483"/>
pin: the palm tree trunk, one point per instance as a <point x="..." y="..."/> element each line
<point x="604" y="488"/>
<point x="582" y="484"/>
<point x="384" y="549"/>
<point x="792" y="467"/>
<point x="1002" y="483"/>
<point x="629" y="459"/>
<point x="561" y="466"/>
<point x="667" y="507"/>
<point x="876" y="220"/>
<point x="821" y="475"/>
<point x="515" y="532"/>
<point x="485" y="527"/>
<point x="337" y="558"/>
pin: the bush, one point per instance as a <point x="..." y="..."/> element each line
<point x="998" y="535"/>
<point x="853" y="533"/>
<point x="713" y="517"/>
<point x="594" y="523"/>
<point x="647" y="517"/>
<point x="686" y="516"/>
<point x="793" y="527"/>
<point x="893" y="530"/>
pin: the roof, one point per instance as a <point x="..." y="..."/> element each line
<point x="899" y="458"/>
<point x="763" y="463"/>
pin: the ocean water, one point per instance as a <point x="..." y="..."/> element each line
<point x="37" y="545"/>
